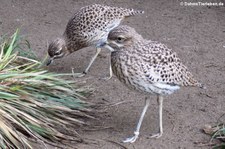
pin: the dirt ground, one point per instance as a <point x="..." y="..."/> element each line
<point x="196" y="33"/>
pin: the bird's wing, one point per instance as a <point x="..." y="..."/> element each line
<point x="160" y="64"/>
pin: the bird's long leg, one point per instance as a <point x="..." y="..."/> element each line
<point x="98" y="50"/>
<point x="110" y="70"/>
<point x="160" y="103"/>
<point x="136" y="132"/>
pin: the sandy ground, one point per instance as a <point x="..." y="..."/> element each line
<point x="196" y="33"/>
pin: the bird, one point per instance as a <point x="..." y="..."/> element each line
<point x="149" y="67"/>
<point x="89" y="26"/>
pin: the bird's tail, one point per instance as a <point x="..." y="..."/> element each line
<point x="193" y="82"/>
<point x="201" y="85"/>
<point x="132" y="12"/>
<point x="189" y="80"/>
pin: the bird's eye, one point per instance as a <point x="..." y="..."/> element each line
<point x="57" y="52"/>
<point x="120" y="39"/>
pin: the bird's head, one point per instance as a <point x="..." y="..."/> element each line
<point x="57" y="49"/>
<point x="122" y="36"/>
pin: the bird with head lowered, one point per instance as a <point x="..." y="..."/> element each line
<point x="88" y="27"/>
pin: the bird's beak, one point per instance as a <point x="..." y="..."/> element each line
<point x="108" y="47"/>
<point x="50" y="61"/>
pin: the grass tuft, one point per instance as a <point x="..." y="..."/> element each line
<point x="34" y="103"/>
<point x="217" y="134"/>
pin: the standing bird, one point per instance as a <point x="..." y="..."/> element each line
<point x="146" y="66"/>
<point x="89" y="26"/>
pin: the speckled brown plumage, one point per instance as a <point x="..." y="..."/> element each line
<point x="91" y="25"/>
<point x="148" y="61"/>
<point x="147" y="66"/>
<point x="88" y="27"/>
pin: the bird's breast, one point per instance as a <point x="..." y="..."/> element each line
<point x="128" y="70"/>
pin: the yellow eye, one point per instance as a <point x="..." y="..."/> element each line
<point x="57" y="52"/>
<point x="120" y="39"/>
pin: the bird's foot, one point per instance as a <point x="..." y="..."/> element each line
<point x="132" y="139"/>
<point x="106" y="78"/>
<point x="78" y="75"/>
<point x="158" y="135"/>
<point x="81" y="74"/>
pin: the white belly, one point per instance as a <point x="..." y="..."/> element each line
<point x="155" y="88"/>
